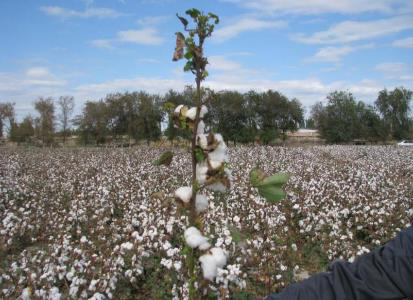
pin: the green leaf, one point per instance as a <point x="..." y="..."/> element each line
<point x="189" y="55"/>
<point x="215" y="17"/>
<point x="256" y="176"/>
<point x="199" y="155"/>
<point x="188" y="66"/>
<point x="183" y="20"/>
<point x="278" y="179"/>
<point x="271" y="193"/>
<point x="193" y="12"/>
<point x="165" y="158"/>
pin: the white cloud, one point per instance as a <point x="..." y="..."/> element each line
<point x="90" y="12"/>
<point x="145" y="36"/>
<point x="335" y="54"/>
<point x="395" y="70"/>
<point x="351" y="31"/>
<point x="404" y="43"/>
<point x="311" y="7"/>
<point x="38" y="72"/>
<point x="221" y="63"/>
<point x="245" y="24"/>
<point x="151" y="21"/>
<point x="102" y="43"/>
<point x="151" y="85"/>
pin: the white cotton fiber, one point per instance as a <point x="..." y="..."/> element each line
<point x="204" y="111"/>
<point x="191" y="113"/>
<point x="194" y="238"/>
<point x="204" y="246"/>
<point x="220" y="257"/>
<point x="178" y="109"/>
<point x="201" y="203"/>
<point x="184" y="193"/>
<point x="201" y="127"/>
<point x="209" y="266"/>
<point x="201" y="172"/>
<point x="202" y="141"/>
<point x="217" y="187"/>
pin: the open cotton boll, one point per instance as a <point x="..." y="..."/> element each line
<point x="209" y="266"/>
<point x="201" y="203"/>
<point x="202" y="141"/>
<point x="184" y="193"/>
<point x="191" y="113"/>
<point x="220" y="257"/>
<point x="218" y="156"/>
<point x="204" y="246"/>
<point x="204" y="111"/>
<point x="217" y="187"/>
<point x="201" y="172"/>
<point x="194" y="238"/>
<point x="201" y="127"/>
<point x="178" y="109"/>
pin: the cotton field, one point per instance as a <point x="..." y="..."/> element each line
<point x="90" y="223"/>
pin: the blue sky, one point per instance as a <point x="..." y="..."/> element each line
<point x="302" y="48"/>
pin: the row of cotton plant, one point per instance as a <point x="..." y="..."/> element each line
<point x="83" y="223"/>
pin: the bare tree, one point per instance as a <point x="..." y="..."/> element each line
<point x="45" y="123"/>
<point x="66" y="104"/>
<point x="6" y="113"/>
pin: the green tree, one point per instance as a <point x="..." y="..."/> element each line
<point x="394" y="107"/>
<point x="6" y="114"/>
<point x="149" y="117"/>
<point x="337" y="121"/>
<point x="66" y="105"/>
<point x="23" y="132"/>
<point x="45" y="107"/>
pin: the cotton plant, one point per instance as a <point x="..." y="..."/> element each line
<point x="208" y="150"/>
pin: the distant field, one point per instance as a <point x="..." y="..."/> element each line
<point x="101" y="223"/>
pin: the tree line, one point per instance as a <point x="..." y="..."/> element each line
<point x="344" y="119"/>
<point x="240" y="117"/>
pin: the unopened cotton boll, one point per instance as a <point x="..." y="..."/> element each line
<point x="201" y="203"/>
<point x="184" y="193"/>
<point x="191" y="113"/>
<point x="194" y="238"/>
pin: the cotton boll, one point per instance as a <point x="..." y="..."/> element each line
<point x="209" y="266"/>
<point x="178" y="109"/>
<point x="202" y="141"/>
<point x="220" y="257"/>
<point x="204" y="246"/>
<point x="184" y="193"/>
<point x="217" y="187"/>
<point x="191" y="113"/>
<point x="201" y="172"/>
<point x="194" y="238"/>
<point x="201" y="203"/>
<point x="201" y="127"/>
<point x="204" y="111"/>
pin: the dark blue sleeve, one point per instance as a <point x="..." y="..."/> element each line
<point x="383" y="274"/>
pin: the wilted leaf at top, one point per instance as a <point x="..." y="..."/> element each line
<point x="194" y="13"/>
<point x="179" y="49"/>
